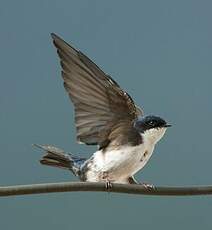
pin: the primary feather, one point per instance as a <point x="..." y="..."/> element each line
<point x="102" y="108"/>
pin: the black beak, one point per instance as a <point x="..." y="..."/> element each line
<point x="167" y="125"/>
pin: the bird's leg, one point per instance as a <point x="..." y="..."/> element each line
<point x="108" y="183"/>
<point x="132" y="180"/>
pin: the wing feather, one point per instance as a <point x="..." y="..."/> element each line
<point x="102" y="108"/>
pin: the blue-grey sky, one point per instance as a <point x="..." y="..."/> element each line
<point x="158" y="51"/>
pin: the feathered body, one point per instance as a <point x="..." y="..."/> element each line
<point x="106" y="116"/>
<point x="119" y="165"/>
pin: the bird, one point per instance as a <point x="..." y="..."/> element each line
<point x="105" y="116"/>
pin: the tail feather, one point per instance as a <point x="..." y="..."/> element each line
<point x="58" y="158"/>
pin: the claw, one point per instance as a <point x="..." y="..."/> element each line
<point x="148" y="186"/>
<point x="108" y="185"/>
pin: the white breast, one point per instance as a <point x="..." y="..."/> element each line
<point x="118" y="165"/>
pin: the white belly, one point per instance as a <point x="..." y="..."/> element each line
<point x="118" y="165"/>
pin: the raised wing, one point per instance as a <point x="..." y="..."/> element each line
<point x="101" y="106"/>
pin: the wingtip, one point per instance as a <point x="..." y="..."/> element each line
<point x="37" y="146"/>
<point x="54" y="36"/>
<point x="61" y="44"/>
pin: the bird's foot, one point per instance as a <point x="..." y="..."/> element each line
<point x="148" y="186"/>
<point x="108" y="185"/>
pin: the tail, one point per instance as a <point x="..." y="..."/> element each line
<point x="58" y="158"/>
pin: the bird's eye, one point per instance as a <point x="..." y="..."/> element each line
<point x="151" y="123"/>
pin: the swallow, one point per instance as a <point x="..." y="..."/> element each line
<point x="105" y="116"/>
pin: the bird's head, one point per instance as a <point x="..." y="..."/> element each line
<point x="151" y="127"/>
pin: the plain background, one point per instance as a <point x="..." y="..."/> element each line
<point x="159" y="52"/>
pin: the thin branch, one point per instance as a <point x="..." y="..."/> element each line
<point x="100" y="187"/>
